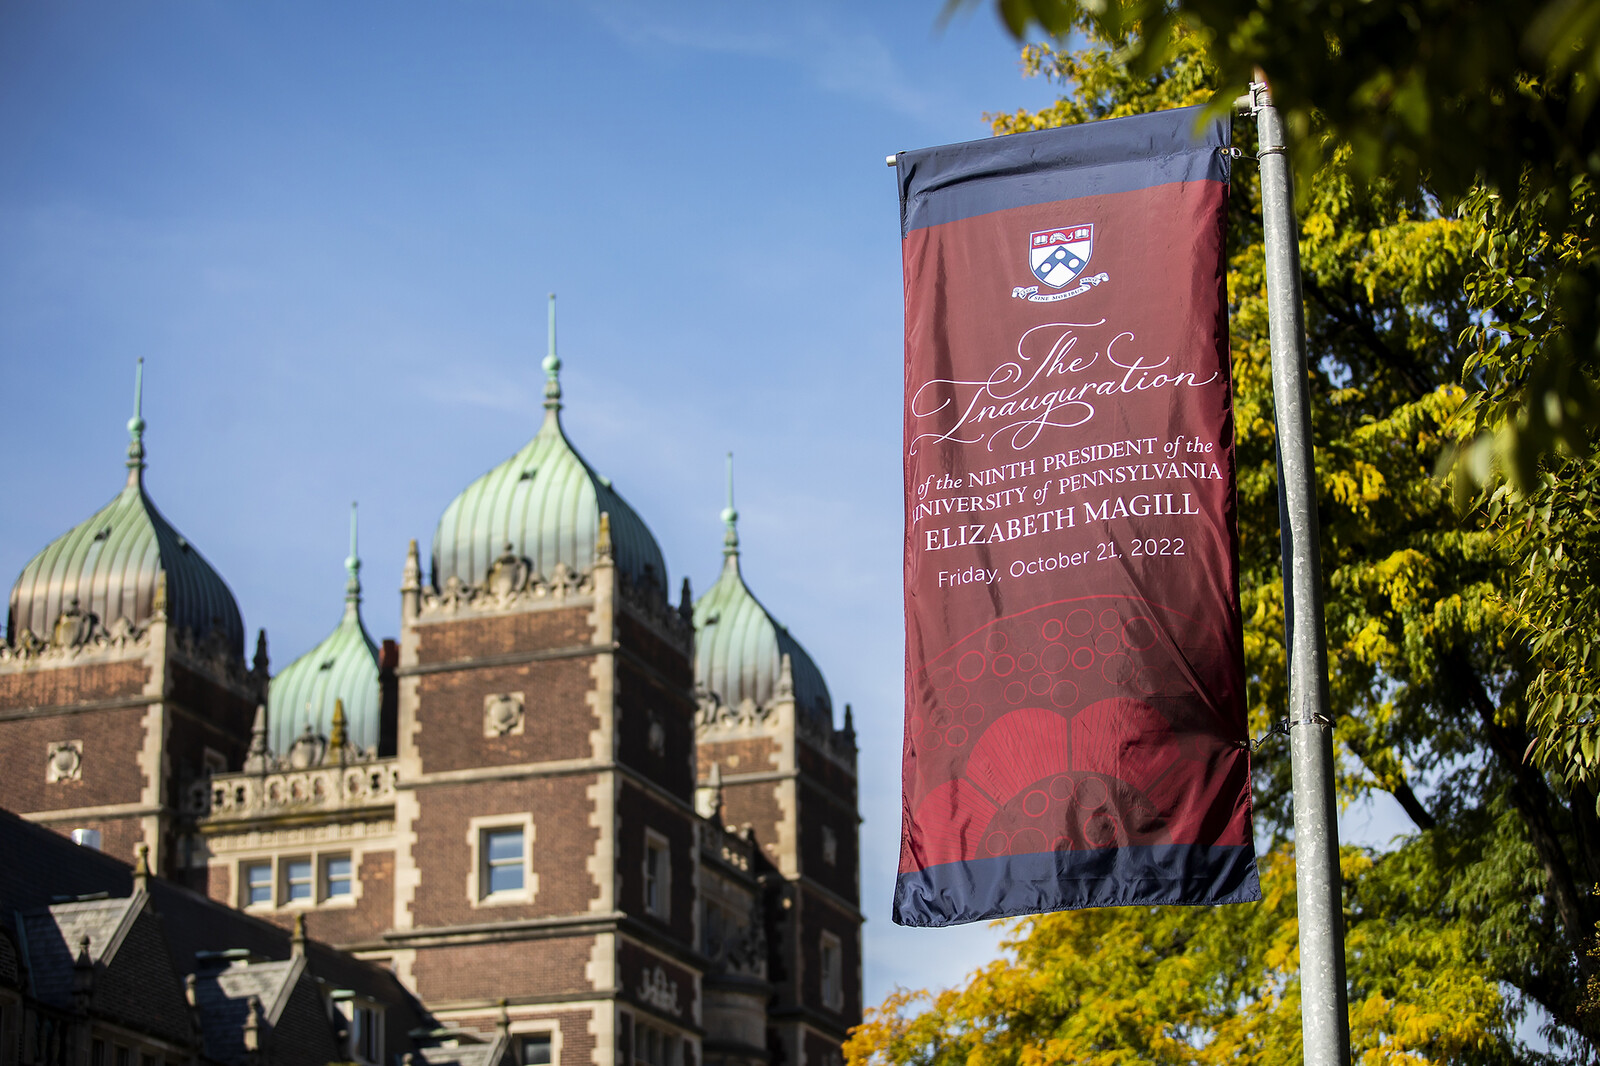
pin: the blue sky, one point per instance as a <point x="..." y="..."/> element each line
<point x="329" y="229"/>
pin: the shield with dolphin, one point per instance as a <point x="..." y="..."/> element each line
<point x="1057" y="256"/>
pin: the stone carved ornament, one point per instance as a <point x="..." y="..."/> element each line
<point x="77" y="634"/>
<point x="658" y="990"/>
<point x="510" y="583"/>
<point x="503" y="714"/>
<point x="64" y="761"/>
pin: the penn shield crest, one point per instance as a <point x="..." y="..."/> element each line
<point x="1056" y="256"/>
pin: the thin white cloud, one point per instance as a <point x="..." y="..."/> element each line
<point x="485" y="391"/>
<point x="642" y="26"/>
<point x="845" y="59"/>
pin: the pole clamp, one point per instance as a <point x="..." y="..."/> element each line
<point x="1280" y="728"/>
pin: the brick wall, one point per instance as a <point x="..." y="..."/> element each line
<point x="363" y="922"/>
<point x="557" y="718"/>
<point x="746" y="755"/>
<point x="462" y="972"/>
<point x="673" y="665"/>
<point x="577" y="1042"/>
<point x="825" y="772"/>
<point x="816" y="814"/>
<point x="71" y="685"/>
<point x="816" y="916"/>
<point x="112" y="742"/>
<point x="638" y="811"/>
<point x="118" y="836"/>
<point x="227" y="712"/>
<point x="754" y="804"/>
<point x="563" y="841"/>
<point x="219" y="883"/>
<point x="636" y="966"/>
<point x="468" y="638"/>
<point x="641" y="701"/>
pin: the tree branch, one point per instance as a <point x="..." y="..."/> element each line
<point x="1420" y="816"/>
<point x="1528" y="795"/>
<point x="1416" y="380"/>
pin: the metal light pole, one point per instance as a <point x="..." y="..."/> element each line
<point x="1324" y="1015"/>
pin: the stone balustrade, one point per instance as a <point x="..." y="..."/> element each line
<point x="317" y="789"/>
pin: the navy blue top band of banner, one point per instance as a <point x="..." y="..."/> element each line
<point x="957" y="181"/>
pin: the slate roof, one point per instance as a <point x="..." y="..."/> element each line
<point x="52" y="937"/>
<point x="223" y="995"/>
<point x="151" y="941"/>
<point x="132" y="978"/>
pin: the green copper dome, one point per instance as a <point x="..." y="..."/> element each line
<point x="545" y="503"/>
<point x="109" y="567"/>
<point x="739" y="647"/>
<point x="343" y="667"/>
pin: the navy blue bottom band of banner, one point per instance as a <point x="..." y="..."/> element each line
<point x="1007" y="885"/>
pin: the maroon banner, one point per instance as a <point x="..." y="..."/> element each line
<point x="1075" y="717"/>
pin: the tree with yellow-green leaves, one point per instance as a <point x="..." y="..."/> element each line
<point x="1500" y="96"/>
<point x="1463" y="629"/>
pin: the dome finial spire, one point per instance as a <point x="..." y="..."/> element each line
<point x="136" y="426"/>
<point x="552" y="366"/>
<point x="730" y="518"/>
<point x="352" y="565"/>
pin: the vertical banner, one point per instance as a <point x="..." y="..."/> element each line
<point x="1075" y="716"/>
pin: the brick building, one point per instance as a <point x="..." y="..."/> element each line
<point x="558" y="807"/>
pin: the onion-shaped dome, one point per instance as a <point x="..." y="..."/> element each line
<point x="543" y="504"/>
<point x="106" y="570"/>
<point x="342" y="668"/>
<point x="739" y="647"/>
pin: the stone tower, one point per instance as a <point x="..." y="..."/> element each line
<point x="122" y="676"/>
<point x="548" y="843"/>
<point x="768" y="746"/>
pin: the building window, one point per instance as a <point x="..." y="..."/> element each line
<point x="502" y="861"/>
<point x="336" y="880"/>
<point x="298" y="886"/>
<point x="124" y="1056"/>
<point x="657" y="875"/>
<point x="832" y="972"/>
<point x="97" y="1053"/>
<point x="714" y="927"/>
<point x="368" y="1042"/>
<point x="363" y="1028"/>
<point x="256" y="877"/>
<point x="830" y="846"/>
<point x="654" y="1047"/>
<point x="533" y="1050"/>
